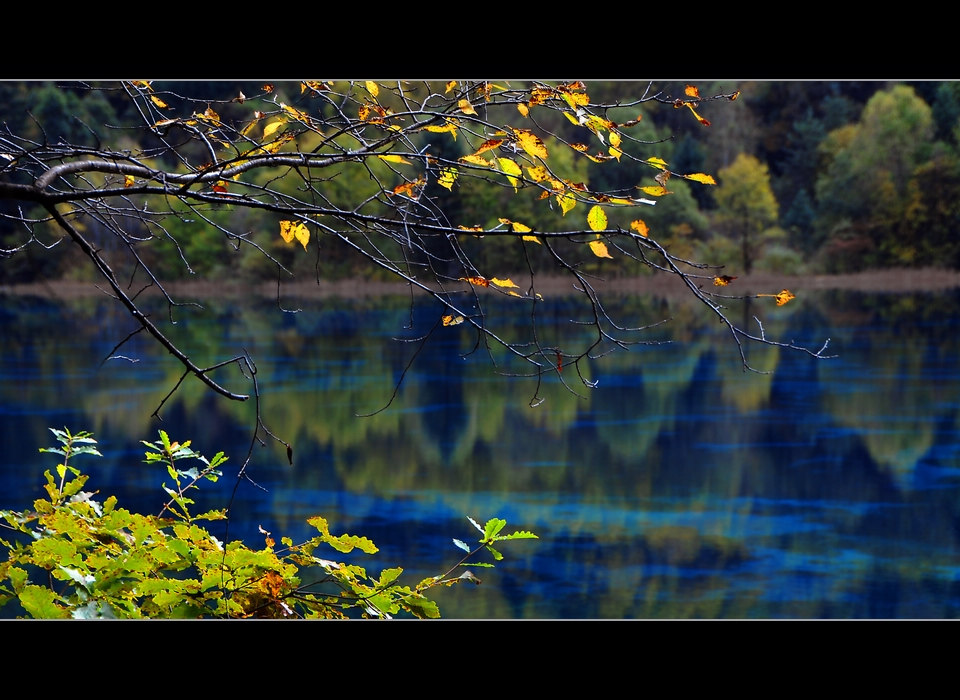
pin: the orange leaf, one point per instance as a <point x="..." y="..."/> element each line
<point x="268" y="88"/>
<point x="488" y="145"/>
<point x="691" y="91"/>
<point x="699" y="118"/>
<point x="476" y="281"/>
<point x="220" y="187"/>
<point x="723" y="280"/>
<point x="783" y="297"/>
<point x="640" y="227"/>
<point x="452" y="320"/>
<point x="599" y="249"/>
<point x="128" y="181"/>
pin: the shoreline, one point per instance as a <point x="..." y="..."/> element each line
<point x="661" y="285"/>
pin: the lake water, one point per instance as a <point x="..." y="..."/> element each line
<point x="679" y="487"/>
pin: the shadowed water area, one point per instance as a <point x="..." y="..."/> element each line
<point x="679" y="487"/>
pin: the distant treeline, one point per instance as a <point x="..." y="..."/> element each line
<point x="814" y="177"/>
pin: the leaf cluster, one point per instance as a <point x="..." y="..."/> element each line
<point x="73" y="556"/>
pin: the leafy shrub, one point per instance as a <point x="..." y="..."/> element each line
<point x="85" y="559"/>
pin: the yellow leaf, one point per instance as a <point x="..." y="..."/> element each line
<point x="450" y="85"/>
<point x="504" y="283"/>
<point x="691" y="91"/>
<point x="700" y="177"/>
<point x="488" y="145"/>
<point x="699" y="118"/>
<point x="567" y="202"/>
<point x="537" y="173"/>
<point x="783" y="297"/>
<point x="615" y="152"/>
<point x="523" y="109"/>
<point x="466" y="107"/>
<point x="373" y="88"/>
<point x="597" y="220"/>
<point x="271" y="127"/>
<point x="476" y="281"/>
<point x="512" y="171"/>
<point x="657" y="191"/>
<point x="393" y="158"/>
<point x="452" y="320"/>
<point x="530" y="143"/>
<point x="476" y="160"/>
<point x="659" y="163"/>
<point x="145" y="84"/>
<point x="572" y="118"/>
<point x="471" y="228"/>
<point x="447" y="177"/>
<point x="640" y="227"/>
<point x="615" y="139"/>
<point x="165" y="122"/>
<point x="723" y="280"/>
<point x="128" y="181"/>
<point x="599" y="249"/>
<point x="533" y="239"/>
<point x="621" y="200"/>
<point x="295" y="113"/>
<point x="520" y="228"/>
<point x="158" y="102"/>
<point x="450" y="127"/>
<point x="290" y="230"/>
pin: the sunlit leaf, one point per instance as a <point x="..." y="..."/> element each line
<point x="144" y="84"/>
<point x="657" y="191"/>
<point x="452" y="320"/>
<point x="700" y="177"/>
<point x="466" y="107"/>
<point x="734" y="95"/>
<point x="657" y="163"/>
<point x="471" y="228"/>
<point x="615" y="152"/>
<point x="296" y="113"/>
<point x="450" y="85"/>
<point x="533" y="239"/>
<point x="523" y="109"/>
<point x="539" y="95"/>
<point x="477" y="160"/>
<point x="640" y="226"/>
<point x="372" y="88"/>
<point x="520" y="228"/>
<point x="567" y="202"/>
<point x="699" y="118"/>
<point x="512" y="171"/>
<point x="476" y="281"/>
<point x="158" y="102"/>
<point x="290" y="230"/>
<point x="783" y="297"/>
<point x="393" y="158"/>
<point x="615" y="139"/>
<point x="537" y="173"/>
<point x="267" y="88"/>
<point x="582" y="147"/>
<point x="220" y="187"/>
<point x="129" y="181"/>
<point x="488" y="145"/>
<point x="504" y="283"/>
<point x="165" y="122"/>
<point x="597" y="219"/>
<point x="449" y="127"/>
<point x="723" y="280"/>
<point x="312" y="85"/>
<point x="691" y="91"/>
<point x="599" y="249"/>
<point x="447" y="177"/>
<point x="408" y="188"/>
<point x="530" y="143"/>
<point x="270" y="128"/>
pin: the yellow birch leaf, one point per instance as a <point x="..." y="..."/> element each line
<point x="145" y="84"/>
<point x="723" y="280"/>
<point x="303" y="235"/>
<point x="575" y="99"/>
<point x="450" y="127"/>
<point x="533" y="239"/>
<point x="290" y="230"/>
<point x="470" y="228"/>
<point x="476" y="160"/>
<point x="450" y="85"/>
<point x="488" y="145"/>
<point x="373" y="88"/>
<point x="582" y="147"/>
<point x="512" y="171"/>
<point x="520" y="228"/>
<point x="640" y="227"/>
<point x="295" y="113"/>
<point x="271" y="127"/>
<point x="701" y="177"/>
<point x="452" y="320"/>
<point x="567" y="202"/>
<point x="165" y="122"/>
<point x="657" y="191"/>
<point x="783" y="297"/>
<point x="621" y="200"/>
<point x="448" y="176"/>
<point x="158" y="102"/>
<point x="504" y="283"/>
<point x="513" y="294"/>
<point x="615" y="152"/>
<point x="659" y="163"/>
<point x="466" y="107"/>
<point x="530" y="143"/>
<point x="597" y="220"/>
<point x="700" y="119"/>
<point x="523" y="109"/>
<point x="537" y="173"/>
<point x="393" y="158"/>
<point x="599" y="249"/>
<point x="572" y="118"/>
<point x="615" y="139"/>
<point x="128" y="181"/>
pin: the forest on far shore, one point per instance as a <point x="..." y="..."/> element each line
<point x="814" y="177"/>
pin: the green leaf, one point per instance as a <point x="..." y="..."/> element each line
<point x="41" y="603"/>
<point x="493" y="527"/>
<point x="518" y="535"/>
